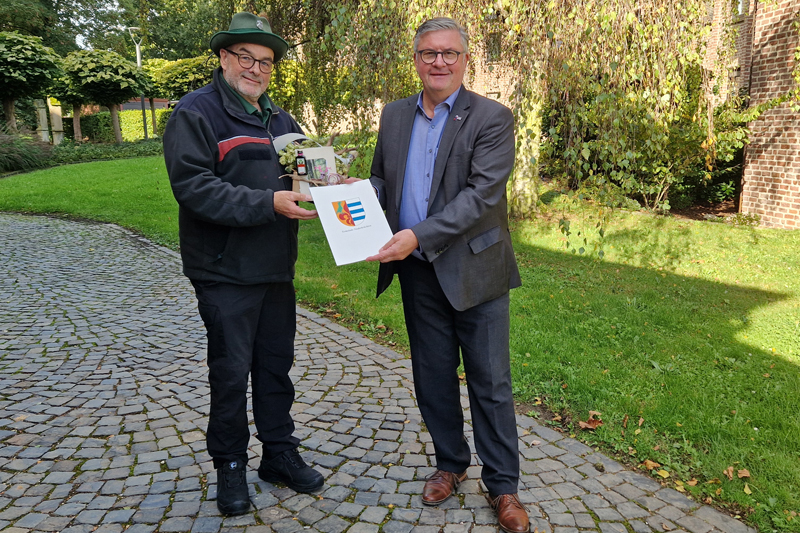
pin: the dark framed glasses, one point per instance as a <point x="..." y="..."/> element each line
<point x="448" y="56"/>
<point x="246" y="61"/>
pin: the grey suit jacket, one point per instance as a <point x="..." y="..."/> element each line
<point x="466" y="235"/>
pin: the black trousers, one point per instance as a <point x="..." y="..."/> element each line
<point x="437" y="333"/>
<point x="250" y="331"/>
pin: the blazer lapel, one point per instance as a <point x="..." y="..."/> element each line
<point x="406" y="123"/>
<point x="458" y="115"/>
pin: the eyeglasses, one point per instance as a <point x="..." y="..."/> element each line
<point x="448" y="56"/>
<point x="246" y="61"/>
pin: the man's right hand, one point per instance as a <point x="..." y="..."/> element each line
<point x="284" y="203"/>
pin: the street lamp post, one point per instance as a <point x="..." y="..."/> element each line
<point x="131" y="31"/>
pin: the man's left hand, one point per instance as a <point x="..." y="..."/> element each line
<point x="398" y="248"/>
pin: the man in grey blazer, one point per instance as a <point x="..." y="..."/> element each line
<point x="442" y="161"/>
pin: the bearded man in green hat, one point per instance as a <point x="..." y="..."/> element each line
<point x="238" y="226"/>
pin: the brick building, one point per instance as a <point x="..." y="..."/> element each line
<point x="771" y="178"/>
<point x="766" y="41"/>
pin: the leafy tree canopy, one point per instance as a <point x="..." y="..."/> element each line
<point x="105" y="77"/>
<point x="26" y="65"/>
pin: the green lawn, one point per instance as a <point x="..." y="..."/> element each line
<point x="685" y="337"/>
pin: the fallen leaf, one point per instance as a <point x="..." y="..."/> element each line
<point x="718" y="492"/>
<point x="625" y="421"/>
<point x="592" y="423"/>
<point x="679" y="424"/>
<point x="536" y="442"/>
<point x="641" y="421"/>
<point x="747" y="489"/>
<point x="714" y="481"/>
<point x="743" y="473"/>
<point x="637" y="431"/>
<point x="664" y="526"/>
<point x="650" y="465"/>
<point x="564" y="386"/>
<point x="708" y="500"/>
<point x="729" y="473"/>
<point x="537" y="401"/>
<point x="663" y="473"/>
<point x="557" y="418"/>
<point x="680" y="489"/>
<point x="692" y="482"/>
<point x="334" y="286"/>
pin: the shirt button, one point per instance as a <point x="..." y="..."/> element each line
<point x="430" y="151"/>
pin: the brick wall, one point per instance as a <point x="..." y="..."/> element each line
<point x="489" y="78"/>
<point x="771" y="179"/>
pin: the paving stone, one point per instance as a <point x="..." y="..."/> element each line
<point x="332" y="524"/>
<point x="395" y="526"/>
<point x="722" y="521"/>
<point x="176" y="524"/>
<point x="676" y="499"/>
<point x="102" y="350"/>
<point x="694" y="524"/>
<point x="611" y="527"/>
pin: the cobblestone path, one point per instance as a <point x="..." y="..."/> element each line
<point x="103" y="403"/>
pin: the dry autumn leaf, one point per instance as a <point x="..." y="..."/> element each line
<point x="650" y="465"/>
<point x="663" y="473"/>
<point x="641" y="421"/>
<point x="592" y="423"/>
<point x="557" y="418"/>
<point x="743" y="473"/>
<point x="625" y="421"/>
<point x="692" y="482"/>
<point x="747" y="489"/>
<point x="728" y="473"/>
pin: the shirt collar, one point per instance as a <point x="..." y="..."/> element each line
<point x="450" y="101"/>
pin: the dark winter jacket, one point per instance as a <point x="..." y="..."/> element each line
<point x="223" y="169"/>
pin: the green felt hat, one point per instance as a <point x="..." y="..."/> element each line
<point x="248" y="28"/>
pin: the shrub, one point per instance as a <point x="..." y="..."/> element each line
<point x="71" y="152"/>
<point x="97" y="127"/>
<point x="162" y="118"/>
<point x="22" y="152"/>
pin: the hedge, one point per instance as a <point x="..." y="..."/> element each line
<point x="97" y="127"/>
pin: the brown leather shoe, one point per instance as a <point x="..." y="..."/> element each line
<point x="440" y="486"/>
<point x="512" y="515"/>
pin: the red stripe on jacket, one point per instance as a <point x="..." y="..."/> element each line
<point x="229" y="144"/>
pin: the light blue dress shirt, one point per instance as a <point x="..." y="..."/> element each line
<point x="425" y="137"/>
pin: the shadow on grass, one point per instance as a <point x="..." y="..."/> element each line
<point x="642" y="343"/>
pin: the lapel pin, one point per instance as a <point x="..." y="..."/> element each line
<point x="457" y="118"/>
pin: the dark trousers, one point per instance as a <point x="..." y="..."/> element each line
<point x="437" y="333"/>
<point x="250" y="332"/>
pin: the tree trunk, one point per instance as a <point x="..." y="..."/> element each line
<point x="76" y="123"/>
<point x="523" y="189"/>
<point x="8" y="110"/>
<point x="153" y="116"/>
<point x="115" y="122"/>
